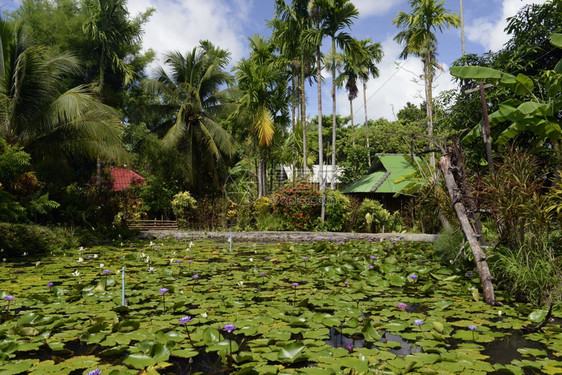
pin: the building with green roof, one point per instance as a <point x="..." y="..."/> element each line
<point x="382" y="183"/>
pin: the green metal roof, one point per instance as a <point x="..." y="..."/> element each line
<point x="395" y="166"/>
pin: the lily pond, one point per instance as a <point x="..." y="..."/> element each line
<point x="183" y="307"/>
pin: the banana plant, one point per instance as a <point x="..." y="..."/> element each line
<point x="537" y="114"/>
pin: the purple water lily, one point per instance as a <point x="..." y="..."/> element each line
<point x="9" y="298"/>
<point x="229" y="328"/>
<point x="295" y="284"/>
<point x="472" y="327"/>
<point x="418" y="322"/>
<point x="414" y="277"/>
<point x="195" y="277"/>
<point x="50" y="284"/>
<point x="163" y="290"/>
<point x="106" y="272"/>
<point x="94" y="372"/>
<point x="371" y="267"/>
<point x="185" y="319"/>
<point x="402" y="306"/>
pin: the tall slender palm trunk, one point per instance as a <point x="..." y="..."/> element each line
<point x="366" y="121"/>
<point x="352" y="124"/>
<point x="320" y="151"/>
<point x="303" y="119"/>
<point x="334" y="122"/>
<point x="429" y="107"/>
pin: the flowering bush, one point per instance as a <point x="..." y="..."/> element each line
<point x="298" y="207"/>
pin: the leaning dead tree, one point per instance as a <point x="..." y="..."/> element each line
<point x="450" y="168"/>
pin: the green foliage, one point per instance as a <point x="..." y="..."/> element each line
<point x="157" y="196"/>
<point x="373" y="217"/>
<point x="298" y="207"/>
<point x="20" y="196"/>
<point x="337" y="209"/>
<point x="511" y="194"/>
<point x="18" y="240"/>
<point x="448" y="245"/>
<point x="536" y="278"/>
<point x="184" y="206"/>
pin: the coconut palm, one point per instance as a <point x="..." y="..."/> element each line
<point x="262" y="86"/>
<point x="418" y="38"/>
<point x="36" y="112"/>
<point x="190" y="97"/>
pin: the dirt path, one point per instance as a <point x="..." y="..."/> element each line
<point x="273" y="237"/>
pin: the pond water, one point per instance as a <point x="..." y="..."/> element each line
<point x="311" y="308"/>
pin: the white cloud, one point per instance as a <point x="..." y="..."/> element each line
<point x="369" y="8"/>
<point x="399" y="82"/>
<point x="489" y="31"/>
<point x="180" y="25"/>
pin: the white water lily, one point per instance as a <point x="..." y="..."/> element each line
<point x="171" y="260"/>
<point x="76" y="273"/>
<point x="175" y="253"/>
<point x="190" y="244"/>
<point x="4" y="259"/>
<point x="24" y="253"/>
<point x="81" y="248"/>
<point x="95" y="256"/>
<point x="204" y="315"/>
<point x="251" y="259"/>
<point x="240" y="283"/>
<point x="80" y="260"/>
<point x="151" y="270"/>
<point x="151" y="243"/>
<point x="37" y="264"/>
<point x="142" y="255"/>
<point x="101" y="265"/>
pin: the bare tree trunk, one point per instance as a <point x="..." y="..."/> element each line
<point x="479" y="256"/>
<point x="98" y="173"/>
<point x="367" y="120"/>
<point x="303" y="120"/>
<point x="320" y="151"/>
<point x="334" y="122"/>
<point x="429" y="106"/>
<point x="352" y="124"/>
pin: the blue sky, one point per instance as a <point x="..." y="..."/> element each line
<point x="180" y="24"/>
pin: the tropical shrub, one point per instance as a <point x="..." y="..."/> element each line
<point x="337" y="211"/>
<point x="184" y="206"/>
<point x="298" y="207"/>
<point x="17" y="240"/>
<point x="373" y="217"/>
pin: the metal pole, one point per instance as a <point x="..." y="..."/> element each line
<point x="123" y="287"/>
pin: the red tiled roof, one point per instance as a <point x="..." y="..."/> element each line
<point x="123" y="178"/>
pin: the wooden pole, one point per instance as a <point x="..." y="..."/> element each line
<point x="486" y="126"/>
<point x="479" y="256"/>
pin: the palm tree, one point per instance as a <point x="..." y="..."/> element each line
<point x="191" y="98"/>
<point x="112" y="35"/>
<point x="337" y="16"/>
<point x="373" y="55"/>
<point x="348" y="78"/>
<point x="257" y="79"/>
<point x="290" y="33"/>
<point x="39" y="116"/>
<point x="418" y="38"/>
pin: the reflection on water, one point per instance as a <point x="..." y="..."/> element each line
<point x="339" y="340"/>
